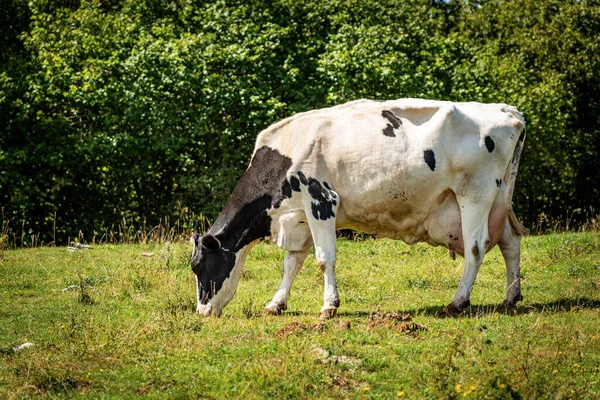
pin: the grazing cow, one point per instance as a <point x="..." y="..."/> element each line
<point x="410" y="169"/>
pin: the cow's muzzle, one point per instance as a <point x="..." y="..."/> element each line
<point x="207" y="310"/>
<point x="204" y="310"/>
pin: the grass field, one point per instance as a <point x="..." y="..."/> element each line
<point x="126" y="327"/>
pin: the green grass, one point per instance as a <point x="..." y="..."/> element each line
<point x="128" y="327"/>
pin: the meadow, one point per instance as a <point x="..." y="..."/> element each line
<point x="117" y="321"/>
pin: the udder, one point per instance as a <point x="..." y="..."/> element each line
<point x="444" y="227"/>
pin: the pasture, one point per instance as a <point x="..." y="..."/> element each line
<point x="117" y="321"/>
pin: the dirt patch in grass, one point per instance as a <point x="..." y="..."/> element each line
<point x="345" y="383"/>
<point x="395" y="321"/>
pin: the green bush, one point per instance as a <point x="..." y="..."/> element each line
<point x="138" y="110"/>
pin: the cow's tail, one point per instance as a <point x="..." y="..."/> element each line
<point x="510" y="178"/>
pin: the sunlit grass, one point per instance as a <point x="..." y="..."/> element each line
<point x="126" y="327"/>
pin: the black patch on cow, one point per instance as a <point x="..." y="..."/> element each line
<point x="475" y="250"/>
<point x="244" y="218"/>
<point x="295" y="183"/>
<point x="286" y="189"/>
<point x="389" y="131"/>
<point x="489" y="144"/>
<point x="429" y="158"/>
<point x="322" y="207"/>
<point x="522" y="137"/>
<point x="302" y="178"/>
<point x="395" y="123"/>
<point x="498" y="182"/>
<point x="390" y="116"/>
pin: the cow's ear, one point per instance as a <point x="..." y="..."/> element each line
<point x="210" y="242"/>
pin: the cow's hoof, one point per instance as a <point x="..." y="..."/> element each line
<point x="453" y="309"/>
<point x="328" y="313"/>
<point x="274" y="308"/>
<point x="204" y="310"/>
<point x="271" y="311"/>
<point x="210" y="312"/>
<point x="511" y="304"/>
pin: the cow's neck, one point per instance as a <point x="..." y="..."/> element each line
<point x="244" y="218"/>
<point x="238" y="228"/>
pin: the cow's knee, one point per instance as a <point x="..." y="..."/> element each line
<point x="322" y="265"/>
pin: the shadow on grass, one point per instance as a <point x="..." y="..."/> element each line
<point x="478" y="310"/>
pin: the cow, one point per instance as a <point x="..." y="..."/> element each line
<point x="412" y="169"/>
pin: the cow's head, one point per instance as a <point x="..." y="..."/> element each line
<point x="217" y="272"/>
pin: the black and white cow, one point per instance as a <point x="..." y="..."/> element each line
<point x="410" y="169"/>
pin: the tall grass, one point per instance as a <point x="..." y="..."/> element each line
<point x="126" y="232"/>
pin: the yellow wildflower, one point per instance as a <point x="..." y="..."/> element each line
<point x="470" y="390"/>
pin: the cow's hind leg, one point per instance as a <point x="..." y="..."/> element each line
<point x="510" y="246"/>
<point x="474" y="220"/>
<point x="291" y="265"/>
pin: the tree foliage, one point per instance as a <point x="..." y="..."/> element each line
<point x="143" y="109"/>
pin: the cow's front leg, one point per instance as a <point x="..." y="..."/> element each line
<point x="323" y="233"/>
<point x="326" y="261"/>
<point x="291" y="265"/>
<point x="324" y="238"/>
<point x="321" y="208"/>
<point x="510" y="246"/>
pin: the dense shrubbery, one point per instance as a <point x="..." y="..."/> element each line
<point x="142" y="109"/>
